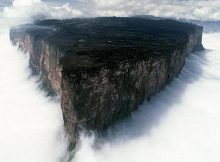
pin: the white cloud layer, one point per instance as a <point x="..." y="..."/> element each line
<point x="190" y="9"/>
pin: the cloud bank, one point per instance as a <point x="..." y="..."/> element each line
<point x="188" y="9"/>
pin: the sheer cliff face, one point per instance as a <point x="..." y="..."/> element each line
<point x="103" y="68"/>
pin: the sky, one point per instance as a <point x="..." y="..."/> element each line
<point x="190" y="9"/>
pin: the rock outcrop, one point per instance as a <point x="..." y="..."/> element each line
<point x="103" y="68"/>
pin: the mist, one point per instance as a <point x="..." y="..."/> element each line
<point x="181" y="123"/>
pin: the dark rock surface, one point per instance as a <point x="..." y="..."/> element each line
<point x="209" y="26"/>
<point x="103" y="68"/>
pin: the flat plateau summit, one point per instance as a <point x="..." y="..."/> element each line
<point x="103" y="68"/>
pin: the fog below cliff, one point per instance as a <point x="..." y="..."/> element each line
<point x="181" y="123"/>
<point x="31" y="126"/>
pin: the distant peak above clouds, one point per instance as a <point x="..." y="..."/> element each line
<point x="187" y="9"/>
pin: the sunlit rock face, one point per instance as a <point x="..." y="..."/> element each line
<point x="103" y="68"/>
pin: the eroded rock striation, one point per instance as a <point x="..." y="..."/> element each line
<point x="103" y="68"/>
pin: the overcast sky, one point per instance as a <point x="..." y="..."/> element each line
<point x="190" y="9"/>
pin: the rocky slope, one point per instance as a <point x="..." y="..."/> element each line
<point x="103" y="68"/>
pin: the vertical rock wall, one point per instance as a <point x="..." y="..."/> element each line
<point x="43" y="59"/>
